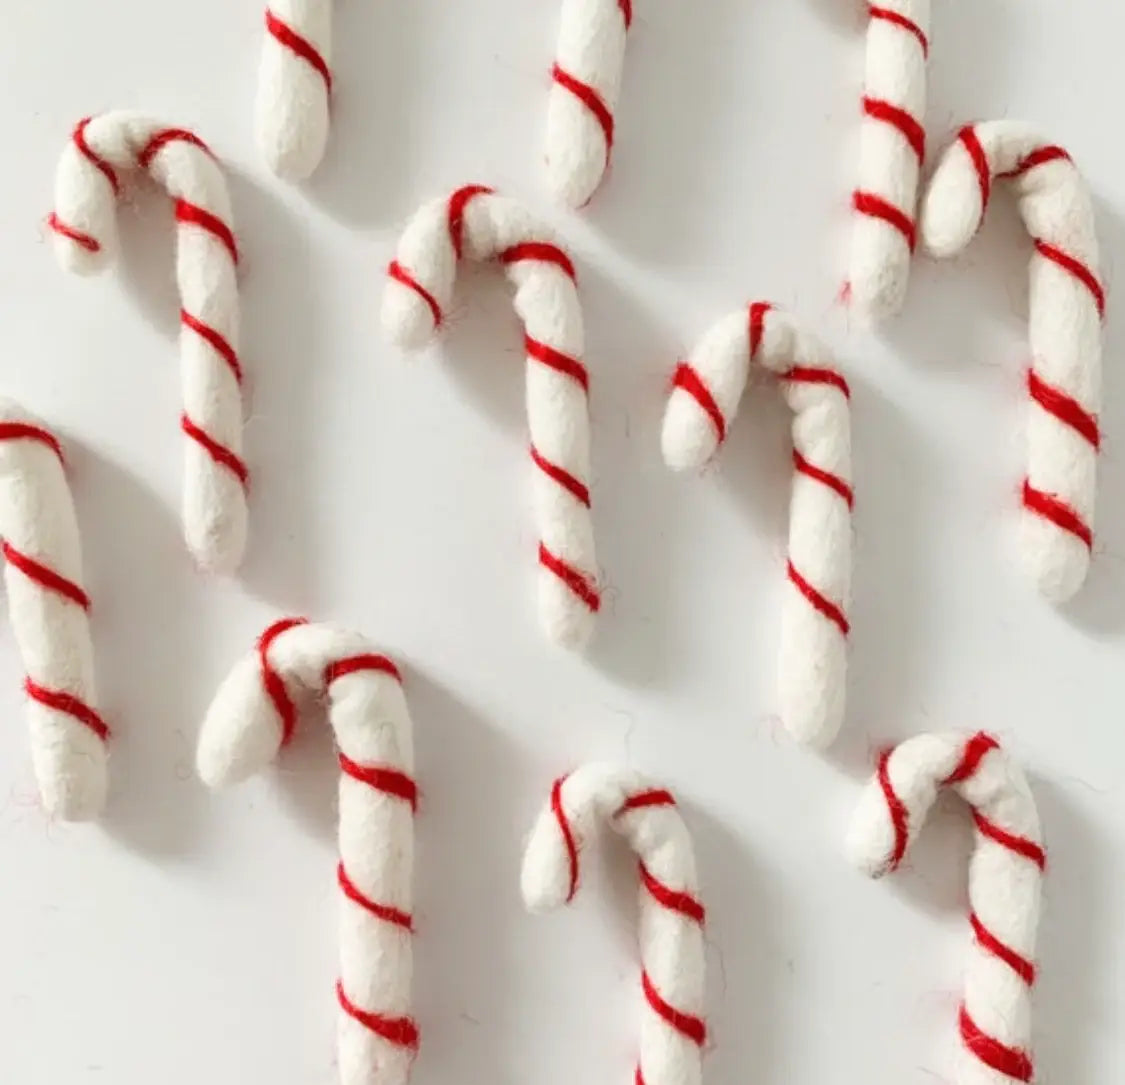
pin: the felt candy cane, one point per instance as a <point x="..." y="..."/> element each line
<point x="891" y="152"/>
<point x="478" y="224"/>
<point x="1005" y="878"/>
<point x="294" y="85"/>
<point x="705" y="396"/>
<point x="253" y="715"/>
<point x="43" y="575"/>
<point x="673" y="1029"/>
<point x="586" y="81"/>
<point x="1067" y="305"/>
<point x="87" y="184"/>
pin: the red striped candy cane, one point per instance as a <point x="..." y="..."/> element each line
<point x="1005" y="881"/>
<point x="294" y="85"/>
<point x="253" y="715"/>
<point x="586" y="82"/>
<point x="87" y="184"/>
<point x="49" y="606"/>
<point x="706" y="392"/>
<point x="892" y="149"/>
<point x="673" y="1030"/>
<point x="1067" y="306"/>
<point x="478" y="224"/>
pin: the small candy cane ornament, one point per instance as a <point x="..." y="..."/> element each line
<point x="86" y="188"/>
<point x="476" y="223"/>
<point x="1005" y="881"/>
<point x="673" y="1029"/>
<point x="1067" y="306"/>
<point x="706" y="392"/>
<point x="586" y="78"/>
<point x="253" y="715"/>
<point x="43" y="575"/>
<point x="892" y="149"/>
<point x="294" y="85"/>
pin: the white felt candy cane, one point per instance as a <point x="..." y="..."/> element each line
<point x="1005" y="876"/>
<point x="252" y="716"/>
<point x="43" y="575"/>
<point x="892" y="148"/>
<point x="476" y="223"/>
<point x="86" y="188"/>
<point x="586" y="83"/>
<point x="1067" y="305"/>
<point x="294" y="84"/>
<point x="673" y="1029"/>
<point x="705" y="396"/>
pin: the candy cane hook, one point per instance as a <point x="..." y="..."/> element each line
<point x="586" y="82"/>
<point x="705" y="396"/>
<point x="86" y="188"/>
<point x="476" y="223"/>
<point x="253" y="715"/>
<point x="1067" y="306"/>
<point x="891" y="152"/>
<point x="294" y="86"/>
<point x="673" y="1030"/>
<point x="1005" y="880"/>
<point x="43" y="575"/>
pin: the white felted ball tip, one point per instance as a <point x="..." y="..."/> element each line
<point x="877" y="280"/>
<point x="1057" y="564"/>
<point x="293" y="135"/>
<point x="574" y="174"/>
<point x="240" y="732"/>
<point x="77" y="259"/>
<point x="216" y="540"/>
<point x="951" y="209"/>
<point x="77" y="793"/>
<point x="407" y="320"/>
<point x="687" y="439"/>
<point x="566" y="621"/>
<point x="869" y="844"/>
<point x="545" y="875"/>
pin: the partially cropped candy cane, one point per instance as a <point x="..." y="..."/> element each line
<point x="294" y="85"/>
<point x="1005" y="880"/>
<point x="586" y="82"/>
<point x="673" y="1030"/>
<point x="1067" y="305"/>
<point x="892" y="149"/>
<point x="253" y="715"/>
<point x="87" y="185"/>
<point x="478" y="224"/>
<point x="43" y="575"/>
<point x="705" y="396"/>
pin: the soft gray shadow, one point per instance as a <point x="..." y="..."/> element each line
<point x="847" y="16"/>
<point x="147" y="259"/>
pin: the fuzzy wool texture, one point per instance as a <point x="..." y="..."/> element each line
<point x="43" y="554"/>
<point x="294" y="86"/>
<point x="476" y="224"/>
<point x="812" y="666"/>
<point x="244" y="730"/>
<point x="671" y="914"/>
<point x="1065" y="329"/>
<point x="85" y="239"/>
<point x="1005" y="881"/>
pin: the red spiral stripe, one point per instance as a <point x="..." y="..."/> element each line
<point x="301" y="47"/>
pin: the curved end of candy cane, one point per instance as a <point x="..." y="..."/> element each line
<point x="71" y="769"/>
<point x="215" y="519"/>
<point x="687" y="438"/>
<point x="952" y="206"/>
<point x="870" y="843"/>
<point x="545" y="877"/>
<point x="575" y="156"/>
<point x="408" y="321"/>
<point x="240" y="732"/>
<point x="292" y="116"/>
<point x="1056" y="561"/>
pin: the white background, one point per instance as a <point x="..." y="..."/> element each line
<point x="190" y="937"/>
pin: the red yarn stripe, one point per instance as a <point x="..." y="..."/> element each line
<point x="400" y="275"/>
<point x="567" y="835"/>
<point x="99" y="163"/>
<point x="1022" y="967"/>
<point x="161" y="140"/>
<point x="758" y="310"/>
<point x="457" y="204"/>
<point x="1065" y="408"/>
<point x="400" y="1031"/>
<point x="1057" y="511"/>
<point x="1006" y="1060"/>
<point x="626" y="7"/>
<point x="189" y="214"/>
<point x="675" y="900"/>
<point x="23" y="431"/>
<point x="888" y="113"/>
<point x="685" y="1024"/>
<point x="272" y="682"/>
<point x="1076" y="268"/>
<point x="214" y="339"/>
<point x="900" y="817"/>
<point x="389" y="781"/>
<point x="45" y="576"/>
<point x="219" y="453"/>
<point x="395" y="916"/>
<point x="565" y="479"/>
<point x="833" y="482"/>
<point x="812" y="375"/>
<point x="819" y="602"/>
<point x="555" y="359"/>
<point x="539" y="250"/>
<point x="571" y="577"/>
<point x="974" y="753"/>
<point x="691" y="382"/>
<point x="896" y="18"/>
<point x="873" y="206"/>
<point x="302" y="47"/>
<point x="87" y="241"/>
<point x="355" y="664"/>
<point x="657" y="796"/>
<point x="1039" y="157"/>
<point x="68" y="704"/>
<point x="972" y="144"/>
<point x="1020" y="845"/>
<point x="591" y="99"/>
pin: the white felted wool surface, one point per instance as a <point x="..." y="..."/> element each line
<point x="193" y="934"/>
